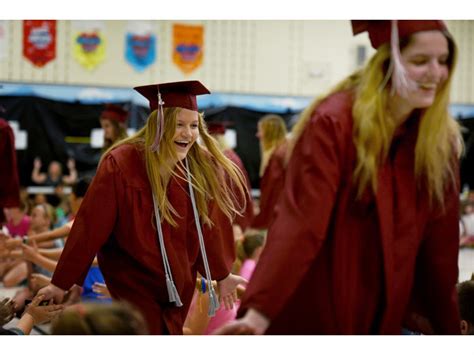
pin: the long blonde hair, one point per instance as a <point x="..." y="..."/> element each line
<point x="212" y="174"/>
<point x="348" y="83"/>
<point x="438" y="138"/>
<point x="274" y="132"/>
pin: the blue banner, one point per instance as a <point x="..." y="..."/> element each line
<point x="140" y="50"/>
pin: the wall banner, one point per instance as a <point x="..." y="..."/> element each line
<point x="188" y="43"/>
<point x="39" y="41"/>
<point x="89" y="45"/>
<point x="140" y="50"/>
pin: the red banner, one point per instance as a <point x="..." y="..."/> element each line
<point x="39" y="41"/>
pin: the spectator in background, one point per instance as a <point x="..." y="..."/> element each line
<point x="273" y="146"/>
<point x="118" y="318"/>
<point x="9" y="183"/>
<point x="217" y="131"/>
<point x="113" y="121"/>
<point x="466" y="306"/>
<point x="54" y="176"/>
<point x="466" y="226"/>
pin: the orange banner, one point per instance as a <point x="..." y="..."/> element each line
<point x="188" y="43"/>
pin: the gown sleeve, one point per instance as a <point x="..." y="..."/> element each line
<point x="92" y="226"/>
<point x="303" y="214"/>
<point x="437" y="268"/>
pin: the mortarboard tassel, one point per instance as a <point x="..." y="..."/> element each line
<point x="159" y="125"/>
<point x="401" y="83"/>
<point x="213" y="302"/>
<point x="174" y="292"/>
<point x="169" y="287"/>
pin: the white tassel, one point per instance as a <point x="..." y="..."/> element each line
<point x="177" y="299"/>
<point x="159" y="125"/>
<point x="401" y="83"/>
<point x="169" y="287"/>
<point x="213" y="303"/>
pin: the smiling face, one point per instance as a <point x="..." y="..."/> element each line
<point x="425" y="59"/>
<point x="186" y="133"/>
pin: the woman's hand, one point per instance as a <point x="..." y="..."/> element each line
<point x="228" y="289"/>
<point x="52" y="292"/>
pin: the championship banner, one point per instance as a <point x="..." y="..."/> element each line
<point x="89" y="45"/>
<point x="140" y="45"/>
<point x="39" y="41"/>
<point x="188" y="42"/>
<point x="4" y="39"/>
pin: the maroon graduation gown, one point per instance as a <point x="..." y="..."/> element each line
<point x="9" y="183"/>
<point x="271" y="186"/>
<point x="247" y="216"/>
<point x="115" y="222"/>
<point x="337" y="265"/>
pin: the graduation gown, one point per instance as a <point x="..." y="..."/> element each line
<point x="9" y="183"/>
<point x="247" y="216"/>
<point x="115" y="222"/>
<point x="337" y="265"/>
<point x="271" y="186"/>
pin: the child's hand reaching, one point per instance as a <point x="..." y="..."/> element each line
<point x="42" y="314"/>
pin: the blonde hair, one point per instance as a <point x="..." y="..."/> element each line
<point x="208" y="166"/>
<point x="438" y="138"/>
<point x="348" y="83"/>
<point x="274" y="132"/>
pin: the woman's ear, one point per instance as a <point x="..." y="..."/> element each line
<point x="464" y="327"/>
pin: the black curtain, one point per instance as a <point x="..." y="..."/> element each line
<point x="467" y="160"/>
<point x="49" y="122"/>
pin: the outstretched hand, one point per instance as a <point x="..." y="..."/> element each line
<point x="52" y="292"/>
<point x="228" y="289"/>
<point x="42" y="314"/>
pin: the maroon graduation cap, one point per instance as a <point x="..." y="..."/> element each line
<point x="176" y="94"/>
<point x="115" y="113"/>
<point x="380" y="30"/>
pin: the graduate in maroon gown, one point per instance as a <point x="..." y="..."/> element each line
<point x="113" y="121"/>
<point x="217" y="130"/>
<point x="148" y="214"/>
<point x="273" y="148"/>
<point x="365" y="240"/>
<point x="9" y="183"/>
